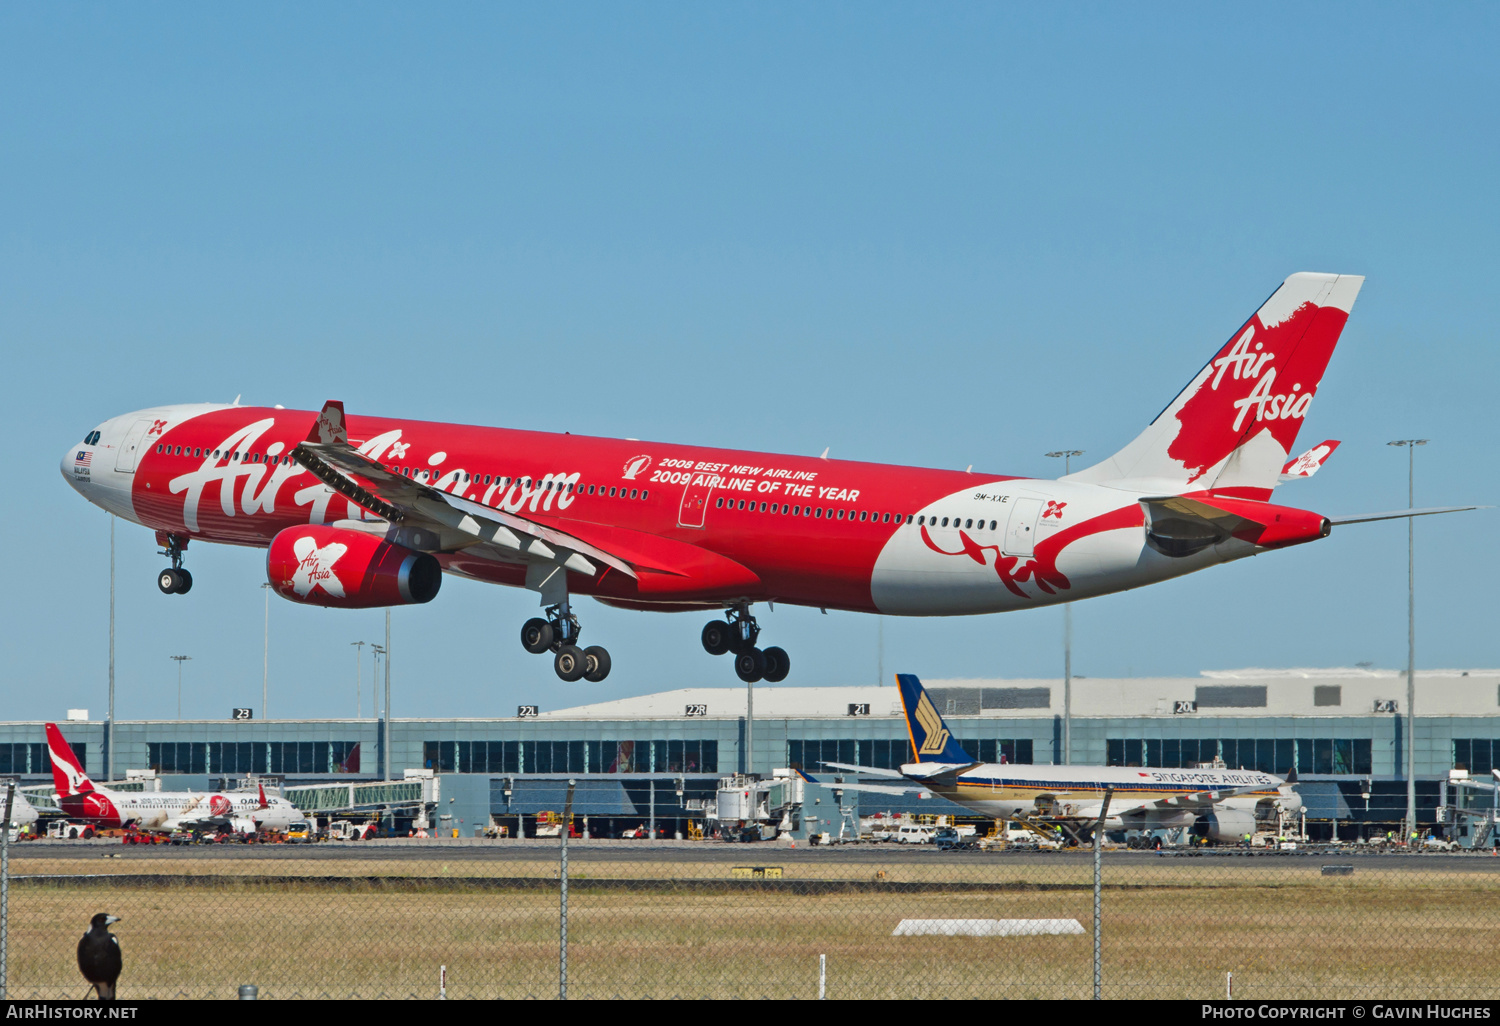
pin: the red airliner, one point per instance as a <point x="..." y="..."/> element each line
<point x="364" y="511"/>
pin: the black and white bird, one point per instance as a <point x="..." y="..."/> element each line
<point x="99" y="956"/>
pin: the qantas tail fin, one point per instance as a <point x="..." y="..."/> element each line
<point x="931" y="740"/>
<point x="1232" y="429"/>
<point x="68" y="776"/>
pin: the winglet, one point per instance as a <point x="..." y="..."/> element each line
<point x="1291" y="775"/>
<point x="931" y="740"/>
<point x="1309" y="462"/>
<point x="330" y="425"/>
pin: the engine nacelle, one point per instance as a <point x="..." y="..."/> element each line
<point x="330" y="566"/>
<point x="1228" y="826"/>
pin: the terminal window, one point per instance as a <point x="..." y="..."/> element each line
<point x="644" y="756"/>
<point x="312" y="757"/>
<point x="31" y="758"/>
<point x="1476" y="754"/>
<point x="1267" y="755"/>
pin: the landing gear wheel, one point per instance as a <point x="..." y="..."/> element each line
<point x="778" y="664"/>
<point x="716" y="637"/>
<point x="537" y="635"/>
<point x="750" y="665"/>
<point x="596" y="663"/>
<point x="167" y="581"/>
<point x="570" y="663"/>
<point x="185" y="584"/>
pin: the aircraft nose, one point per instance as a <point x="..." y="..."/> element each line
<point x="76" y="463"/>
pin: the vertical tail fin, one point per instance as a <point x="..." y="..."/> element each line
<point x="68" y="776"/>
<point x="931" y="740"/>
<point x="1233" y="427"/>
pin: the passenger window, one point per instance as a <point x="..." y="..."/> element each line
<point x="888" y="518"/>
<point x="992" y="525"/>
<point x="611" y="493"/>
<point x="591" y="489"/>
<point x="644" y="493"/>
<point x="796" y="511"/>
<point x="818" y="513"/>
<point x="862" y="516"/>
<point x="969" y="523"/>
<point x="945" y="521"/>
<point x="719" y="504"/>
<point x="632" y="493"/>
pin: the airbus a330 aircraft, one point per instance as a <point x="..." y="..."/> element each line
<point x="159" y="810"/>
<point x="371" y="511"/>
<point x="1224" y="803"/>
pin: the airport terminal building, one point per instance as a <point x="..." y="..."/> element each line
<point x="659" y="756"/>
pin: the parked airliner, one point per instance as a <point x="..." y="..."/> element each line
<point x="1224" y="803"/>
<point x="360" y="511"/>
<point x="162" y="811"/>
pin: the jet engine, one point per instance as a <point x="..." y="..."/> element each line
<point x="1228" y="826"/>
<point x="324" y="565"/>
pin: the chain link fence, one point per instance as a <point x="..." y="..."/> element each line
<point x="708" y="919"/>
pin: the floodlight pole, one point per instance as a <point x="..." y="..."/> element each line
<point x="1410" y="445"/>
<point x="265" y="679"/>
<point x="109" y="728"/>
<point x="359" y="652"/>
<point x="387" y="694"/>
<point x="179" y="659"/>
<point x="1067" y="458"/>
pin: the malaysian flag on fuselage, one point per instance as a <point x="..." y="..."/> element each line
<point x="83" y="459"/>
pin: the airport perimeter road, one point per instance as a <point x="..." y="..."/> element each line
<point x="110" y="854"/>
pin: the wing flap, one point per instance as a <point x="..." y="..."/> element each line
<point x="461" y="522"/>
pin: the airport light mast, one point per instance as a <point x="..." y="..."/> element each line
<point x="179" y="659"/>
<point x="1067" y="458"/>
<point x="359" y="652"/>
<point x="1410" y="445"/>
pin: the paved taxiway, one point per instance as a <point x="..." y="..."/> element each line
<point x="581" y="852"/>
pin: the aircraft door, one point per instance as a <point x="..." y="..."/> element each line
<point x="1020" y="534"/>
<point x="694" y="507"/>
<point x="130" y="448"/>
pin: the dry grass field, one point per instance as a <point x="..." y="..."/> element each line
<point x="1172" y="928"/>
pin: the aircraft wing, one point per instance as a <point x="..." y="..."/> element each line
<point x="872" y="788"/>
<point x="458" y="523"/>
<point x="869" y="771"/>
<point x="1183" y="802"/>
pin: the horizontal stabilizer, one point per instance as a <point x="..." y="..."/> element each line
<point x="1178" y="526"/>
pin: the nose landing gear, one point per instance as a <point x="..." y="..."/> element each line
<point x="558" y="633"/>
<point x="174" y="580"/>
<point x="738" y="633"/>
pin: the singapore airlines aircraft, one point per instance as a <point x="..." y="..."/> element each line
<point x="364" y="511"/>
<point x="159" y="810"/>
<point x="1226" y="801"/>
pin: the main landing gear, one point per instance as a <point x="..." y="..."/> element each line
<point x="737" y="633"/>
<point x="174" y="580"/>
<point x="559" y="633"/>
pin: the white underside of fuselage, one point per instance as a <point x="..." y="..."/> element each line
<point x="1072" y="552"/>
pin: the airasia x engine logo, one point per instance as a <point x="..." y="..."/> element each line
<point x="315" y="567"/>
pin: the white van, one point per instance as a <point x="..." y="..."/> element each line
<point x="914" y="833"/>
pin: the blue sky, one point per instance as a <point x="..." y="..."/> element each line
<point x="937" y="235"/>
